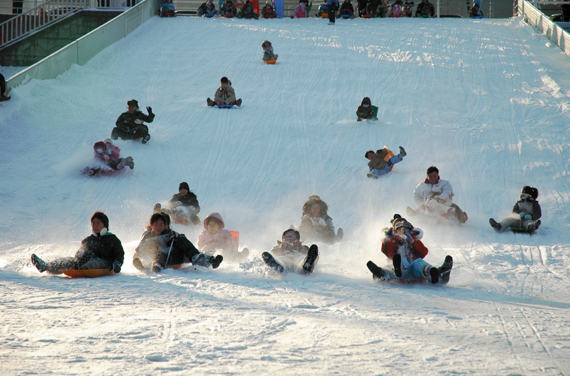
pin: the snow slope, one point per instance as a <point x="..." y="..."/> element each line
<point x="486" y="101"/>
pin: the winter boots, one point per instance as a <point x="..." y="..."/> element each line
<point x="377" y="272"/>
<point x="311" y="259"/>
<point x="204" y="260"/>
<point x="145" y="139"/>
<point x="402" y="152"/>
<point x="494" y="224"/>
<point x="39" y="263"/>
<point x="238" y="102"/>
<point x="397" y="261"/>
<point x="272" y="263"/>
<point x="137" y="263"/>
<point x="445" y="269"/>
<point x="534" y="226"/>
<point x="129" y="162"/>
<point x="372" y="176"/>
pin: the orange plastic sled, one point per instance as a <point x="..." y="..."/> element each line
<point x="271" y="61"/>
<point x="388" y="156"/>
<point x="87" y="273"/>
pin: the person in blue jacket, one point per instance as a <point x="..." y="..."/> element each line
<point x="168" y="9"/>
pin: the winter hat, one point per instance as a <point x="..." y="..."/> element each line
<point x="133" y="103"/>
<point x="108" y="141"/>
<point x="183" y="185"/>
<point x="314" y="197"/>
<point x="401" y="222"/>
<point x="366" y="154"/>
<point x="99" y="144"/>
<point x="266" y="43"/>
<point x="533" y="192"/>
<point x="102" y="217"/>
<point x="366" y="100"/>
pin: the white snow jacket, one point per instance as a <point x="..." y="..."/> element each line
<point x="425" y="190"/>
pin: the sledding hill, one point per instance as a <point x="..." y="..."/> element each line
<point x="485" y="101"/>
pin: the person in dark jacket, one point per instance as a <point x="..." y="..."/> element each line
<point x="183" y="205"/>
<point x="247" y="11"/>
<point x="525" y="214"/>
<point x="316" y="224"/>
<point x="164" y="247"/>
<point x="346" y="9"/>
<point x="101" y="250"/>
<point x="207" y="8"/>
<point x="332" y="6"/>
<point x="228" y="9"/>
<point x="3" y="92"/>
<point x="379" y="163"/>
<point x="365" y="110"/>
<point x="130" y="125"/>
<point x="425" y="8"/>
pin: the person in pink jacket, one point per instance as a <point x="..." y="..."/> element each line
<point x="299" y="11"/>
<point x="215" y="239"/>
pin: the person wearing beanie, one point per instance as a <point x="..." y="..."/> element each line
<point x="402" y="244"/>
<point x="316" y="225"/>
<point x="183" y="206"/>
<point x="100" y="250"/>
<point x="366" y="110"/>
<point x="434" y="197"/>
<point x="290" y="254"/>
<point x="525" y="214"/>
<point x="130" y="125"/>
<point x="107" y="158"/>
<point x="382" y="162"/>
<point x="225" y="94"/>
<point x="268" y="54"/>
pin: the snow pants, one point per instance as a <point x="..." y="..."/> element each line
<point x="331" y="9"/>
<point x="59" y="265"/>
<point x="395" y="159"/>
<point x="514" y="220"/>
<point x="413" y="270"/>
<point x="132" y="133"/>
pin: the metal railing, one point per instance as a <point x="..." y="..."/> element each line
<point x="37" y="17"/>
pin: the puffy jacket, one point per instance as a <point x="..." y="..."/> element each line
<point x="425" y="190"/>
<point x="393" y="244"/>
<point x="223" y="239"/>
<point x="528" y="206"/>
<point x="126" y="120"/>
<point x="107" y="247"/>
<point x="189" y="199"/>
<point x="225" y="94"/>
<point x="378" y="162"/>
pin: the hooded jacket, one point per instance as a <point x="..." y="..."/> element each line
<point x="223" y="239"/>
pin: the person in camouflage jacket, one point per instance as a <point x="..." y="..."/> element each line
<point x="130" y="125"/>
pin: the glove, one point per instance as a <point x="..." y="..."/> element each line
<point x="178" y="203"/>
<point x="117" y="266"/>
<point x="409" y="236"/>
<point x="149" y="109"/>
<point x="138" y="121"/>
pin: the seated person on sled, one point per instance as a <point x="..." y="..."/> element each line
<point x="214" y="239"/>
<point x="228" y="9"/>
<point x="160" y="247"/>
<point x="434" y="197"/>
<point x="130" y="125"/>
<point x="366" y="110"/>
<point x="207" y="8"/>
<point x="268" y="11"/>
<point x="403" y="246"/>
<point x="183" y="206"/>
<point x="167" y="9"/>
<point x="108" y="155"/>
<point x="379" y="164"/>
<point x="291" y="254"/>
<point x="316" y="225"/>
<point x="525" y="215"/>
<point x="268" y="51"/>
<point x="247" y="11"/>
<point x="100" y="250"/>
<point x="225" y="94"/>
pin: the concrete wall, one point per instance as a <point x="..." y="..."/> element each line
<point x="84" y="49"/>
<point x="539" y="20"/>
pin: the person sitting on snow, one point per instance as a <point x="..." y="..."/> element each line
<point x="268" y="11"/>
<point x="378" y="164"/>
<point x="425" y="9"/>
<point x="207" y="8"/>
<point x="476" y="10"/>
<point x="165" y="247"/>
<point x="291" y="254"/>
<point x="300" y="10"/>
<point x="100" y="250"/>
<point x="214" y="239"/>
<point x="225" y="94"/>
<point x="268" y="51"/>
<point x="365" y="110"/>
<point x="525" y="215"/>
<point x="396" y="10"/>
<point x="228" y="9"/>
<point x="247" y="11"/>
<point x="108" y="155"/>
<point x="434" y="196"/>
<point x="183" y="204"/>
<point x="346" y="9"/>
<point x="402" y="244"/>
<point x="316" y="225"/>
<point x="168" y="9"/>
<point x="130" y="125"/>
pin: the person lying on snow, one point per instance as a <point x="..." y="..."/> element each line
<point x="165" y="247"/>
<point x="108" y="155"/>
<point x="225" y="94"/>
<point x="130" y="125"/>
<point x="402" y="244"/>
<point x="291" y="254"/>
<point x="316" y="225"/>
<point x="100" y="250"/>
<point x="525" y="215"/>
<point x="378" y="164"/>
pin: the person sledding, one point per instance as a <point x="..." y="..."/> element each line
<point x="268" y="54"/>
<point x="215" y="239"/>
<point x="402" y="244"/>
<point x="316" y="225"/>
<point x="107" y="158"/>
<point x="225" y="94"/>
<point x="207" y="7"/>
<point x="183" y="206"/>
<point x="167" y="9"/>
<point x="268" y="11"/>
<point x="366" y="110"/>
<point x="100" y="250"/>
<point x="525" y="215"/>
<point x="381" y="162"/>
<point x="291" y="254"/>
<point x="435" y="198"/>
<point x="228" y="9"/>
<point x="247" y="11"/>
<point x="130" y="125"/>
<point x="161" y="247"/>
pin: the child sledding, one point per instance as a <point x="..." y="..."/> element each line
<point x="268" y="56"/>
<point x="107" y="159"/>
<point x="525" y="215"/>
<point x="225" y="96"/>
<point x="382" y="162"/>
<point x="290" y="254"/>
<point x="183" y="207"/>
<point x="215" y="240"/>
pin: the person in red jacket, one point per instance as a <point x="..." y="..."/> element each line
<point x="403" y="246"/>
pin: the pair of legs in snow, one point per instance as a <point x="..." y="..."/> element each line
<point x="432" y="207"/>
<point x="417" y="269"/>
<point x="138" y="133"/>
<point x="66" y="263"/>
<point x="375" y="173"/>
<point x="515" y="220"/>
<point x="307" y="266"/>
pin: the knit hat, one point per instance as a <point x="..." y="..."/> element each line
<point x="366" y="100"/>
<point x="133" y="103"/>
<point x="399" y="222"/>
<point x="366" y="154"/>
<point x="102" y="217"/>
<point x="99" y="144"/>
<point x="533" y="192"/>
<point x="183" y="185"/>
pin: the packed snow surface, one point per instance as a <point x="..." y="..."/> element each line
<point x="486" y="101"/>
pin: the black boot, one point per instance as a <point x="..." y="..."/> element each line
<point x="271" y="262"/>
<point x="397" y="261"/>
<point x="434" y="275"/>
<point x="311" y="259"/>
<point x="494" y="224"/>
<point x="377" y="272"/>
<point x="39" y="263"/>
<point x="445" y="269"/>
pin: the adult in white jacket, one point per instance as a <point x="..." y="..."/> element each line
<point x="435" y="196"/>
